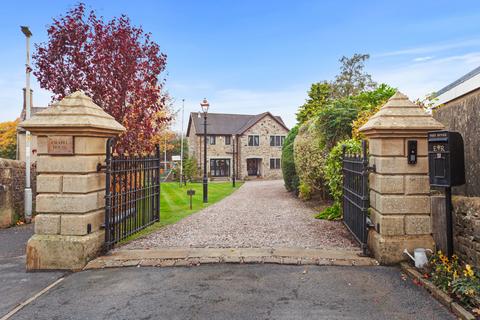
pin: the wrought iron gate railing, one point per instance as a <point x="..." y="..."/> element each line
<point x="356" y="194"/>
<point x="132" y="196"/>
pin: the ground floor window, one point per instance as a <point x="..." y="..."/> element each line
<point x="219" y="167"/>
<point x="275" y="163"/>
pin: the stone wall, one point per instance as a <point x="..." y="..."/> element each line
<point x="12" y="185"/>
<point x="466" y="217"/>
<point x="463" y="115"/>
<point x="264" y="128"/>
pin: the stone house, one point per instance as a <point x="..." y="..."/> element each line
<point x="253" y="141"/>
<point x="458" y="108"/>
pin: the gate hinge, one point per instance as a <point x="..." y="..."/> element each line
<point x="372" y="168"/>
<point x="101" y="167"/>
<point x="369" y="223"/>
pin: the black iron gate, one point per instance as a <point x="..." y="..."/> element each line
<point x="132" y="196"/>
<point x="355" y="194"/>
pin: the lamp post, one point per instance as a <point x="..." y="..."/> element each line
<point x="28" y="191"/>
<point x="204" y="104"/>
<point x="181" y="144"/>
<point x="233" y="161"/>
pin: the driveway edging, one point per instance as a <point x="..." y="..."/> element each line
<point x="187" y="257"/>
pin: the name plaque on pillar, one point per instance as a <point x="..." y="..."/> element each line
<point x="60" y="145"/>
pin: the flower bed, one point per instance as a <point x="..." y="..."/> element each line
<point x="452" y="282"/>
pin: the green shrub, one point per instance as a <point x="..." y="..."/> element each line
<point x="309" y="156"/>
<point x="334" y="120"/>
<point x="288" y="164"/>
<point x="333" y="212"/>
<point x="304" y="191"/>
<point x="333" y="166"/>
<point x="334" y="176"/>
<point x="190" y="169"/>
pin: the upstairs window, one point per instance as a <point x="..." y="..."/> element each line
<point x="277" y="141"/>
<point x="253" y="140"/>
<point x="211" y="140"/>
<point x="228" y="140"/>
<point x="275" y="163"/>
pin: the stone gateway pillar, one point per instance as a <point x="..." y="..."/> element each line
<point x="70" y="192"/>
<point x="399" y="185"/>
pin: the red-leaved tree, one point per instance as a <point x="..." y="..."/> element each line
<point x="115" y="63"/>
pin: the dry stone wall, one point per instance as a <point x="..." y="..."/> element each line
<point x="12" y="185"/>
<point x="466" y="215"/>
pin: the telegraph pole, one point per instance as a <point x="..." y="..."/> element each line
<point x="28" y="190"/>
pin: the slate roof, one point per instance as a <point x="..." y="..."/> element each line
<point x="452" y="85"/>
<point x="227" y="123"/>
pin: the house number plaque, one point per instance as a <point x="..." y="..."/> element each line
<point x="62" y="145"/>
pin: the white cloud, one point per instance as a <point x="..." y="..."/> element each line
<point x="421" y="59"/>
<point x="421" y="78"/>
<point x="430" y="48"/>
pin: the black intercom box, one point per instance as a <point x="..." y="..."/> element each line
<point x="446" y="163"/>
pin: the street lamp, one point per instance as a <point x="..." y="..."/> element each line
<point x="28" y="191"/>
<point x="233" y="158"/>
<point x="204" y="104"/>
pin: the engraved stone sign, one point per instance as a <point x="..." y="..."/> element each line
<point x="62" y="145"/>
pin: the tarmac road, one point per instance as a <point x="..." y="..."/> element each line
<point x="237" y="291"/>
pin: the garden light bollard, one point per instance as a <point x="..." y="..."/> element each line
<point x="191" y="193"/>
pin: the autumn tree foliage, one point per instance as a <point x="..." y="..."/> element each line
<point x="115" y="63"/>
<point x="8" y="139"/>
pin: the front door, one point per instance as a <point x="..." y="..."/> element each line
<point x="252" y="167"/>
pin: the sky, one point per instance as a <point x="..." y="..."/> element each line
<point x="254" y="56"/>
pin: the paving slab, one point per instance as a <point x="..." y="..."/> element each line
<point x="195" y="256"/>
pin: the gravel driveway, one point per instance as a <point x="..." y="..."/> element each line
<point x="260" y="214"/>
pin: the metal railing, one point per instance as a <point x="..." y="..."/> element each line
<point x="132" y="196"/>
<point x="355" y="202"/>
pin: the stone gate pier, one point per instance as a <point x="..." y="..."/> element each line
<point x="399" y="190"/>
<point x="70" y="192"/>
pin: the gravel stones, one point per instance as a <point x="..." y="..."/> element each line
<point x="260" y="214"/>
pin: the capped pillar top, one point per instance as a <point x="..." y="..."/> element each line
<point x="400" y="117"/>
<point x="76" y="114"/>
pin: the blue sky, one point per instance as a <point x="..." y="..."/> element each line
<point x="255" y="56"/>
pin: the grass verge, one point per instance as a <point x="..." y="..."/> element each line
<point x="175" y="203"/>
